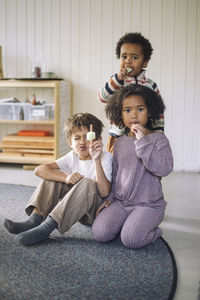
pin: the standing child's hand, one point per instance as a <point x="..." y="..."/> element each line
<point x="122" y="74"/>
<point x="139" y="131"/>
<point x="95" y="149"/>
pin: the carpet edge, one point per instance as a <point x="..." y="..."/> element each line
<point x="175" y="271"/>
<point x="23" y="185"/>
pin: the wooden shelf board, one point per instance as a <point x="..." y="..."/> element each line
<point x="20" y="150"/>
<point x="26" y="159"/>
<point x="24" y="146"/>
<point x="12" y="83"/>
<point x="39" y="122"/>
<point x="27" y="142"/>
<point x="21" y="138"/>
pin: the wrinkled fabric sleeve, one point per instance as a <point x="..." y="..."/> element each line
<point x="109" y="88"/>
<point x="155" y="152"/>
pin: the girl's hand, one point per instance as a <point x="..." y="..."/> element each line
<point x="102" y="206"/>
<point x="139" y="131"/>
<point x="73" y="178"/>
<point x="95" y="149"/>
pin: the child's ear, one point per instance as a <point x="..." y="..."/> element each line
<point x="69" y="142"/>
<point x="145" y="63"/>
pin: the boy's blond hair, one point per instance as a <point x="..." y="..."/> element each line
<point x="83" y="119"/>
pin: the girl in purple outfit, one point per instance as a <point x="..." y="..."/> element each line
<point x="136" y="205"/>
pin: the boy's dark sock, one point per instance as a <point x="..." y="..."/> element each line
<point x="37" y="234"/>
<point x="17" y="227"/>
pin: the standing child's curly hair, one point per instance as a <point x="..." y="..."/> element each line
<point x="154" y="103"/>
<point x="83" y="119"/>
<point x="135" y="38"/>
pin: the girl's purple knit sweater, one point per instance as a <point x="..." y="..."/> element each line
<point x="138" y="166"/>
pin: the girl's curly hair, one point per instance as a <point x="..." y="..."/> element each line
<point x="83" y="119"/>
<point x="135" y="38"/>
<point x="154" y="103"/>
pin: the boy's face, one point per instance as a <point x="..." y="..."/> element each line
<point x="131" y="56"/>
<point x="79" y="143"/>
<point x="134" y="111"/>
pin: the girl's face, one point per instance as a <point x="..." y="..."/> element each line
<point x="131" y="56"/>
<point x="134" y="111"/>
<point x="79" y="143"/>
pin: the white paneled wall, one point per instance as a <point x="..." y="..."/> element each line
<point x="76" y="39"/>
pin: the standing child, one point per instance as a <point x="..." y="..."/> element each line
<point x="136" y="205"/>
<point x="73" y="186"/>
<point x="134" y="52"/>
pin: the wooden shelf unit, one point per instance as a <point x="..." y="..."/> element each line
<point x="62" y="109"/>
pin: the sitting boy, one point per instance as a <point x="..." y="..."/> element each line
<point x="73" y="186"/>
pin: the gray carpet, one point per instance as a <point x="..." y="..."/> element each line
<point x="75" y="266"/>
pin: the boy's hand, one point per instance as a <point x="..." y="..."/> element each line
<point x="73" y="178"/>
<point x="102" y="206"/>
<point x="122" y="74"/>
<point x="95" y="149"/>
<point x="139" y="131"/>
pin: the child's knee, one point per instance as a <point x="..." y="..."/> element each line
<point x="47" y="184"/>
<point x="131" y="239"/>
<point x="87" y="182"/>
<point x="100" y="232"/>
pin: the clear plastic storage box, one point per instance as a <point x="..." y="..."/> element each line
<point x="37" y="112"/>
<point x="11" y="111"/>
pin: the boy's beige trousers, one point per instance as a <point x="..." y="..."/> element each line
<point x="66" y="204"/>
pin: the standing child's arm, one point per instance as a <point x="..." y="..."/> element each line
<point x="109" y="88"/>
